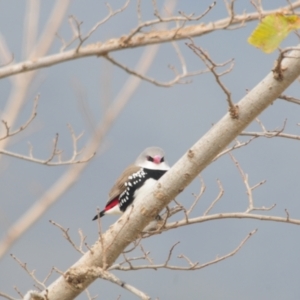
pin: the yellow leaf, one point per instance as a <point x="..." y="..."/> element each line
<point x="272" y="30"/>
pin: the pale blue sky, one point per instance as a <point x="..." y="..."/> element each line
<point x="173" y="118"/>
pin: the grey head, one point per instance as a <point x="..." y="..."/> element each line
<point x="152" y="158"/>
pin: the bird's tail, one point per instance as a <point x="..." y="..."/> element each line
<point x="101" y="214"/>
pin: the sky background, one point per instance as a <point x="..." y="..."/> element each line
<point x="174" y="118"/>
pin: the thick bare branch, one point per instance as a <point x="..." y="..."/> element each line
<point x="199" y="156"/>
<point x="33" y="295"/>
<point x="139" y="40"/>
<point x="73" y="173"/>
<point x="237" y="145"/>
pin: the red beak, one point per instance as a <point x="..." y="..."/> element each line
<point x="157" y="159"/>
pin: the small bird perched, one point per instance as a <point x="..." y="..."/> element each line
<point x="135" y="180"/>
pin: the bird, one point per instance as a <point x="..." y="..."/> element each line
<point x="135" y="180"/>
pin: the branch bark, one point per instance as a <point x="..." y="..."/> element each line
<point x="232" y="215"/>
<point x="103" y="253"/>
<point x="138" y="40"/>
<point x="73" y="173"/>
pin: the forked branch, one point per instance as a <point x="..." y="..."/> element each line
<point x="9" y="133"/>
<point x="139" y="39"/>
<point x="191" y="265"/>
<point x="55" y="153"/>
<point x="212" y="66"/>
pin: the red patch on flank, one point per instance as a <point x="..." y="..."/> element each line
<point x="111" y="204"/>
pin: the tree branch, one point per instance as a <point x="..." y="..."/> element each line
<point x="54" y="154"/>
<point x="114" y="279"/>
<point x="7" y="296"/>
<point x="68" y="238"/>
<point x="197" y="158"/>
<point x="271" y="133"/>
<point x="289" y="99"/>
<point x="138" y="40"/>
<point x="212" y="66"/>
<point x="22" y="83"/>
<point x="178" y="78"/>
<point x="24" y="126"/>
<point x="192" y="266"/>
<point x="74" y="171"/>
<point x="232" y="215"/>
<point x="77" y="31"/>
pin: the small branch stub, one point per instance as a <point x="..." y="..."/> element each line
<point x="234" y="111"/>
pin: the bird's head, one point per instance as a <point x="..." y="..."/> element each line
<point x="152" y="158"/>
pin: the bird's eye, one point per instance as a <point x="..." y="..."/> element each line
<point x="149" y="158"/>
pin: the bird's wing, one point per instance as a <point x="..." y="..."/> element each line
<point x="119" y="186"/>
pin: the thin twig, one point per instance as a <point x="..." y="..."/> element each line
<point x="192" y="266"/>
<point x="212" y="66"/>
<point x="30" y="273"/>
<point x="182" y="18"/>
<point x="278" y="70"/>
<point x="67" y="236"/>
<point x="89" y="295"/>
<point x="191" y="18"/>
<point x="25" y="125"/>
<point x="47" y="161"/>
<point x="54" y="153"/>
<point x="114" y="279"/>
<point x="219" y="196"/>
<point x="197" y="197"/>
<point x="230" y="11"/>
<point x="289" y="99"/>
<point x="271" y="133"/>
<point x="82" y="239"/>
<point x="249" y="189"/>
<point x="7" y="296"/>
<point x="231" y="215"/>
<point x="142" y="39"/>
<point x="177" y="79"/>
<point x="237" y="145"/>
<point x="258" y="6"/>
<point x="76" y="27"/>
